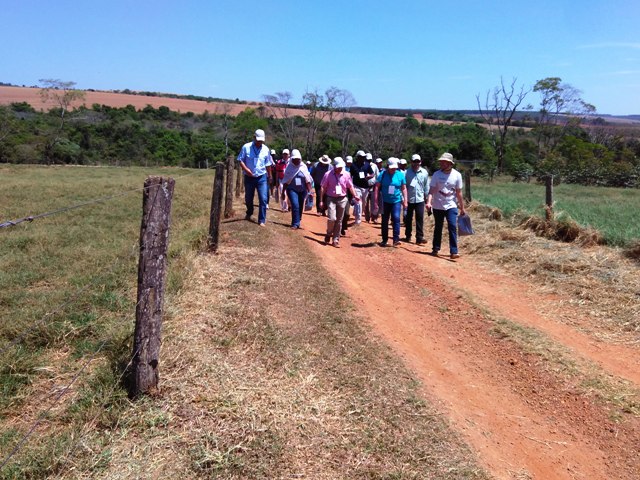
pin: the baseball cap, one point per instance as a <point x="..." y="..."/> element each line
<point x="259" y="135"/>
<point x="369" y="156"/>
<point x="286" y="150"/>
<point x="349" y="159"/>
<point x="360" y="154"/>
<point x="402" y="161"/>
<point x="338" y="162"/>
<point x="392" y="162"/>
<point x="415" y="157"/>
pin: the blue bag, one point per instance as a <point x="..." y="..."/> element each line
<point x="464" y="225"/>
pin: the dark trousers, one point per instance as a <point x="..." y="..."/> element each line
<point x="318" y="199"/>
<point x="418" y="209"/>
<point x="452" y="223"/>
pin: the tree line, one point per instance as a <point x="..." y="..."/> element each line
<point x="560" y="139"/>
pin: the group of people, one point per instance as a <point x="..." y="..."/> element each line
<point x="394" y="192"/>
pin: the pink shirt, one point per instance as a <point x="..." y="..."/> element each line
<point x="331" y="180"/>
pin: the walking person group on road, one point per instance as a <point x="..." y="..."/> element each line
<point x="397" y="193"/>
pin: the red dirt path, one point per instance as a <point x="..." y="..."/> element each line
<point x="523" y="421"/>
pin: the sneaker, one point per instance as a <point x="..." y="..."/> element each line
<point x="454" y="256"/>
<point x="336" y="243"/>
<point x="397" y="244"/>
<point x="262" y="224"/>
<point x="434" y="253"/>
<point x="343" y="233"/>
<point x="383" y="244"/>
<point x="327" y="239"/>
<point x="421" y="242"/>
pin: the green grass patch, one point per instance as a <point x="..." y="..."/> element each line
<point x="68" y="284"/>
<point x="611" y="211"/>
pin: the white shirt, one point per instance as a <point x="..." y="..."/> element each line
<point x="443" y="189"/>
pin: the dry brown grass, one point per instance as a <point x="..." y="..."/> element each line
<point x="599" y="280"/>
<point x="266" y="375"/>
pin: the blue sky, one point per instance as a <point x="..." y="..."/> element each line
<point x="405" y="54"/>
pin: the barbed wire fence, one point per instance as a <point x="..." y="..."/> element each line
<point x="139" y="347"/>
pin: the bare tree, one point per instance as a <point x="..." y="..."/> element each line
<point x="64" y="96"/>
<point x="313" y="102"/>
<point x="279" y="106"/>
<point x="500" y="105"/>
<point x="227" y="121"/>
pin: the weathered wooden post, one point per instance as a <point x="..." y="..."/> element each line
<point x="239" y="180"/>
<point x="467" y="185"/>
<point x="152" y="268"/>
<point x="228" y="197"/>
<point x="549" y="198"/>
<point x="216" y="208"/>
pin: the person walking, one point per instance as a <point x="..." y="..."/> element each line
<point x="255" y="160"/>
<point x="280" y="167"/>
<point x="370" y="205"/>
<point x="445" y="198"/>
<point x="335" y="185"/>
<point x="297" y="184"/>
<point x="361" y="172"/>
<point x="417" y="191"/>
<point x="393" y="186"/>
<point x="323" y="166"/>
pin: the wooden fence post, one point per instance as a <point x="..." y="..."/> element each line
<point x="228" y="197"/>
<point x="549" y="198"/>
<point x="216" y="208"/>
<point x="467" y="185"/>
<point x="152" y="267"/>
<point x="239" y="180"/>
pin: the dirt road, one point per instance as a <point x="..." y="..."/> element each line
<point x="523" y="419"/>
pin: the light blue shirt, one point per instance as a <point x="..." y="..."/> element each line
<point x="417" y="185"/>
<point x="391" y="186"/>
<point x="255" y="159"/>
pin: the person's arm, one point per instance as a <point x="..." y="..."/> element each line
<point x="405" y="199"/>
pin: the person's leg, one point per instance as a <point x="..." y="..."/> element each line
<point x="357" y="207"/>
<point x="249" y="192"/>
<point x="419" y="209"/>
<point x="331" y="219"/>
<point x="284" y="204"/>
<point x="295" y="207"/>
<point x="452" y="224"/>
<point x="318" y="199"/>
<point x="341" y="208"/>
<point x="345" y="218"/>
<point x="396" y="214"/>
<point x="367" y="208"/>
<point x="263" y="188"/>
<point x="408" y="223"/>
<point x="438" y="217"/>
<point x="384" y="226"/>
<point x="364" y="201"/>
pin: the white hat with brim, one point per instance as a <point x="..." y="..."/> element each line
<point x="296" y="154"/>
<point x="259" y="135"/>
<point x="392" y="163"/>
<point x="324" y="160"/>
<point x="446" y="157"/>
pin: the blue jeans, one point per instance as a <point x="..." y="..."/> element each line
<point x="296" y="203"/>
<point x="251" y="184"/>
<point x="391" y="210"/>
<point x="452" y="223"/>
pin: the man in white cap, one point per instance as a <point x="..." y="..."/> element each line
<point x="335" y="185"/>
<point x="255" y="160"/>
<point x="445" y="198"/>
<point x="370" y="207"/>
<point x="393" y="186"/>
<point x="361" y="172"/>
<point x="417" y="190"/>
<point x="347" y="208"/>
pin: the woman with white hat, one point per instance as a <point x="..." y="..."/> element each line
<point x="297" y="184"/>
<point x="393" y="186"/>
<point x="445" y="198"/>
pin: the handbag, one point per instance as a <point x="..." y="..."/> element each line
<point x="464" y="225"/>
